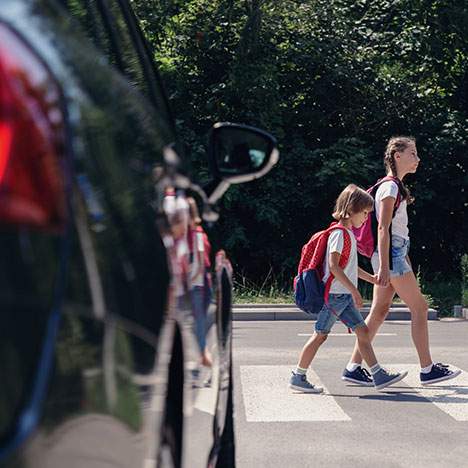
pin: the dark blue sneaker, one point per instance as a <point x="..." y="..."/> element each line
<point x="439" y="373"/>
<point x="359" y="376"/>
<point x="385" y="378"/>
<point x="300" y="383"/>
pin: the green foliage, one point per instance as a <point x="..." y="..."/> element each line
<point x="431" y="302"/>
<point x="445" y="293"/>
<point x="268" y="292"/>
<point x="332" y="80"/>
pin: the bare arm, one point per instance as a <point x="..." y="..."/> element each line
<point x="383" y="235"/>
<point x="364" y="275"/>
<point x="339" y="274"/>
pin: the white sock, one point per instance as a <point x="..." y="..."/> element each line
<point x="426" y="370"/>
<point x="300" y="371"/>
<point x="352" y="366"/>
<point x="375" y="368"/>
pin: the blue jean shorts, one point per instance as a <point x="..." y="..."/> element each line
<point x="400" y="249"/>
<point x="339" y="306"/>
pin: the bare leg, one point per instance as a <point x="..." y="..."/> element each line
<point x="407" y="288"/>
<point x="365" y="346"/>
<point x="310" y="349"/>
<point x="381" y="302"/>
<point x="206" y="358"/>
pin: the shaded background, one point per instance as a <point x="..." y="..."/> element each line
<point x="332" y="80"/>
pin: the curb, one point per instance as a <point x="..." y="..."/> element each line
<point x="258" y="312"/>
<point x="289" y="305"/>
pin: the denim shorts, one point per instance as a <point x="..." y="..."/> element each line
<point x="400" y="249"/>
<point x="339" y="306"/>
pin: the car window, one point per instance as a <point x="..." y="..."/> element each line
<point x="112" y="28"/>
<point x="87" y="13"/>
<point x="103" y="22"/>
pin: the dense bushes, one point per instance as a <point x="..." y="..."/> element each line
<point x="332" y="79"/>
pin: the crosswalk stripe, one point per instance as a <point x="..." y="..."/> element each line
<point x="450" y="396"/>
<point x="267" y="397"/>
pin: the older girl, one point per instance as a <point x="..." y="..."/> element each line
<point x="401" y="158"/>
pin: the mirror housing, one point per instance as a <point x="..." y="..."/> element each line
<point x="237" y="154"/>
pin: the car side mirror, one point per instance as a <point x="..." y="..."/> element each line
<point x="238" y="153"/>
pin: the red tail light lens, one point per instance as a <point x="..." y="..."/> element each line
<point x="32" y="187"/>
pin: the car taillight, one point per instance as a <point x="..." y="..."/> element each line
<point x="32" y="186"/>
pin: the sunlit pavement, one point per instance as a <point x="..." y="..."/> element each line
<point x="406" y="425"/>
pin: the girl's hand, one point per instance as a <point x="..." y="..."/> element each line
<point x="383" y="277"/>
<point x="357" y="298"/>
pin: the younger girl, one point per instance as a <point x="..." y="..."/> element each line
<point x="401" y="158"/>
<point x="351" y="209"/>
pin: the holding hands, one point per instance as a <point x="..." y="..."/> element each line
<point x="383" y="277"/>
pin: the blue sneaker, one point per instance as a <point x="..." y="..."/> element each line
<point x="384" y="378"/>
<point x="439" y="373"/>
<point x="359" y="376"/>
<point x="300" y="383"/>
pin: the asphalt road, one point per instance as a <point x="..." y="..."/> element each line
<point x="406" y="425"/>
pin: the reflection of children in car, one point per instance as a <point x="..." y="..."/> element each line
<point x="176" y="210"/>
<point x="200" y="283"/>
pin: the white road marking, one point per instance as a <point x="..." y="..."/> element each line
<point x="267" y="397"/>
<point x="450" y="396"/>
<point x="347" y="334"/>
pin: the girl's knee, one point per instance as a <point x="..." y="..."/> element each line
<point x="362" y="334"/>
<point x="419" y="306"/>
<point x="424" y="305"/>
<point x="379" y="313"/>
<point x="320" y="337"/>
<point x="420" y="311"/>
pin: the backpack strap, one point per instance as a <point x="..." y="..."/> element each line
<point x="398" y="200"/>
<point x="344" y="257"/>
<point x="374" y="225"/>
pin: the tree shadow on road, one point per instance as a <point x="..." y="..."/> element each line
<point x="453" y="394"/>
<point x="397" y="396"/>
<point x="403" y="395"/>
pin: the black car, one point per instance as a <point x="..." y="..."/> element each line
<point x="99" y="365"/>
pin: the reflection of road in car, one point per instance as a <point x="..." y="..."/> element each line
<point x="82" y="441"/>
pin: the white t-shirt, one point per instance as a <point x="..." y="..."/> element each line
<point x="400" y="220"/>
<point x="335" y="244"/>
